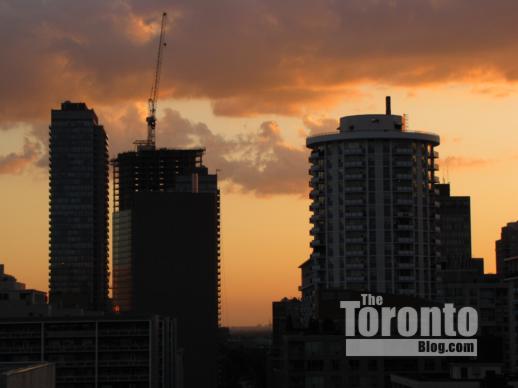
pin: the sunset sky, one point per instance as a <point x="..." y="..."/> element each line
<point x="249" y="80"/>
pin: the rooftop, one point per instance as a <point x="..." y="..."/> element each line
<point x="373" y="126"/>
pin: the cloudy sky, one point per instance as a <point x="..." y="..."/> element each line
<point x="250" y="79"/>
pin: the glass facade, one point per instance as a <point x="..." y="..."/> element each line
<point x="78" y="157"/>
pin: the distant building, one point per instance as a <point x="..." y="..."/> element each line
<point x="117" y="351"/>
<point x="313" y="355"/>
<point x="27" y="375"/>
<point x="510" y="275"/>
<point x="507" y="246"/>
<point x="78" y="154"/>
<point x="488" y="294"/>
<point x="17" y="300"/>
<point x="373" y="208"/>
<point x="455" y="228"/>
<point x="461" y="375"/>
<point x="166" y="249"/>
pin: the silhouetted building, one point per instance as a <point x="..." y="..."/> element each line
<point x="166" y="249"/>
<point x="244" y="354"/>
<point x="507" y="246"/>
<point x="373" y="207"/>
<point x="509" y="268"/>
<point x="78" y="154"/>
<point x="17" y="300"/>
<point x="461" y="375"/>
<point x="488" y="294"/>
<point x="314" y="354"/>
<point x="116" y="351"/>
<point x="455" y="228"/>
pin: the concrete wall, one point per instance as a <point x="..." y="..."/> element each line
<point x="32" y="376"/>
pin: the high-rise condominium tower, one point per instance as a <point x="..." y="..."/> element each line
<point x="166" y="249"/>
<point x="373" y="208"/>
<point x="455" y="229"/>
<point x="507" y="246"/>
<point x="78" y="153"/>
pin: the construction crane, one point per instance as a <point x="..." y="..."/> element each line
<point x="149" y="143"/>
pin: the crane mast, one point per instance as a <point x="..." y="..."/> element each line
<point x="149" y="143"/>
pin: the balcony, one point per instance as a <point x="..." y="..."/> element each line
<point x="354" y="266"/>
<point x="355" y="227"/>
<point x="354" y="201"/>
<point x="354" y="189"/>
<point x="353" y="151"/>
<point x="315" y="243"/>
<point x="355" y="279"/>
<point x="354" y="215"/>
<point x="404" y="151"/>
<point x="355" y="253"/>
<point x="314" y="157"/>
<point x="315" y="218"/>
<point x="354" y="176"/>
<point x="356" y="163"/>
<point x="316" y="255"/>
<point x="315" y="206"/>
<point x="314" y="169"/>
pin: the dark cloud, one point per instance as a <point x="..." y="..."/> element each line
<point x="247" y="57"/>
<point x="17" y="162"/>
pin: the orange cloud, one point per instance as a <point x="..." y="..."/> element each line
<point x="259" y="162"/>
<point x="265" y="56"/>
<point x="461" y="162"/>
<point x="319" y="124"/>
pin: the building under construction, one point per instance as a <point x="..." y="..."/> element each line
<point x="159" y="170"/>
<point x="166" y="249"/>
<point x="166" y="241"/>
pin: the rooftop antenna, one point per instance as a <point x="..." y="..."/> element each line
<point x="149" y="143"/>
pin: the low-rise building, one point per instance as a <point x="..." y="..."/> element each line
<point x="17" y="300"/>
<point x="110" y="351"/>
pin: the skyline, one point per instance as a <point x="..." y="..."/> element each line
<point x="473" y="114"/>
